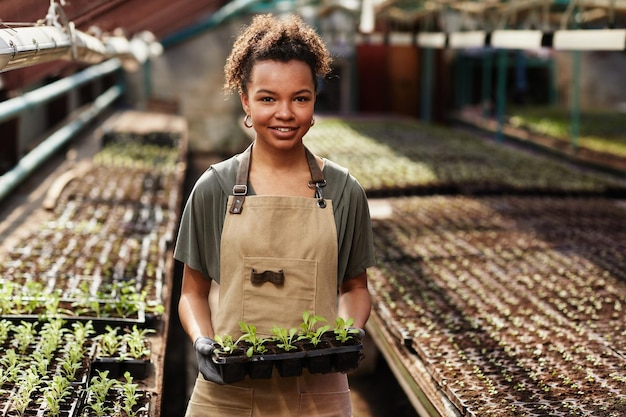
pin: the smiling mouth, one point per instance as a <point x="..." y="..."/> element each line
<point x="284" y="129"/>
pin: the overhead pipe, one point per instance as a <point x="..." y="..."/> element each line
<point x="27" y="46"/>
<point x="57" y="38"/>
<point x="38" y="156"/>
<point x="22" y="47"/>
<point x="17" y="105"/>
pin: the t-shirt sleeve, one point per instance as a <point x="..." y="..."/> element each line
<point x="199" y="235"/>
<point x="354" y="226"/>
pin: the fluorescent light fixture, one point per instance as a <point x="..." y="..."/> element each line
<point x="590" y="40"/>
<point x="516" y="39"/>
<point x="470" y="39"/>
<point x="401" y="38"/>
<point x="431" y="39"/>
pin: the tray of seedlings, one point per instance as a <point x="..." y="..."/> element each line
<point x="102" y="255"/>
<point x="81" y="294"/>
<point x="602" y="132"/>
<point x="405" y="157"/>
<point x="44" y="367"/>
<point x="513" y="304"/>
<point x="54" y="367"/>
<point x="315" y="346"/>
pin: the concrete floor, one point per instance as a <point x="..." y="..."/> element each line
<point x="378" y="394"/>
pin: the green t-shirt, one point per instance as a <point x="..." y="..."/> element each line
<point x="200" y="233"/>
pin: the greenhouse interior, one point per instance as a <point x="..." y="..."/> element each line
<point x="489" y="137"/>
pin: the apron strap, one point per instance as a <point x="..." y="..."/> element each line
<point x="240" y="189"/>
<point x="317" y="178"/>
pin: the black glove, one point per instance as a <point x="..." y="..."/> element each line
<point x="204" y="347"/>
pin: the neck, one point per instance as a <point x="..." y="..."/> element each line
<point x="278" y="160"/>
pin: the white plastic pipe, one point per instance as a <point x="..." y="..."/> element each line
<point x="22" y="47"/>
<point x="26" y="46"/>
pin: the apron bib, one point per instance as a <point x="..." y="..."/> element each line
<point x="294" y="238"/>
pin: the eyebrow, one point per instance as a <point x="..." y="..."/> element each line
<point x="303" y="91"/>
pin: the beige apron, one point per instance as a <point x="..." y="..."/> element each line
<point x="272" y="233"/>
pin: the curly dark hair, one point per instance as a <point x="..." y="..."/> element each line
<point x="272" y="38"/>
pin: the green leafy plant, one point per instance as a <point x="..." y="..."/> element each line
<point x="128" y="301"/>
<point x="39" y="363"/>
<point x="28" y="381"/>
<point x="23" y="336"/>
<point x="343" y="329"/>
<point x="284" y="337"/>
<point x="55" y="393"/>
<point x="99" y="388"/>
<point x="72" y="360"/>
<point x="136" y="344"/>
<point x="82" y="331"/>
<point x="100" y="409"/>
<point x="226" y="345"/>
<point x="309" y="330"/>
<point x="12" y="364"/>
<point x="131" y="396"/>
<point x="51" y="336"/>
<point x="110" y="342"/>
<point x="5" y="328"/>
<point x="250" y="336"/>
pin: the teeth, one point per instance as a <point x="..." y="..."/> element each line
<point x="283" y="129"/>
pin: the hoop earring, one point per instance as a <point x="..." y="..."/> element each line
<point x="247" y="121"/>
<point x="312" y="121"/>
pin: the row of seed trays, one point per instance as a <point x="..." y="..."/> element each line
<point x="81" y="295"/>
<point x="514" y="304"/>
<point x="501" y="272"/>
<point x="103" y="254"/>
<point x="52" y="367"/>
<point x="395" y="157"/>
<point x="600" y="130"/>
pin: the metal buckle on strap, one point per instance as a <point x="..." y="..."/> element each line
<point x="315" y="184"/>
<point x="239" y="192"/>
<point x="240" y="189"/>
<point x="318" y="185"/>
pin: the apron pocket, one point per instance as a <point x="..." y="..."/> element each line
<point x="269" y="303"/>
<point x="329" y="404"/>
<point x="210" y="399"/>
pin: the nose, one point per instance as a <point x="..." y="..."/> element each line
<point x="284" y="110"/>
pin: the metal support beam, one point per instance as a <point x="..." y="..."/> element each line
<point x="229" y="10"/>
<point x="34" y="159"/>
<point x="575" y="115"/>
<point x="13" y="107"/>
<point x="501" y="92"/>
<point x="427" y="83"/>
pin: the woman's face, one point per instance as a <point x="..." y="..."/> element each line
<point x="280" y="100"/>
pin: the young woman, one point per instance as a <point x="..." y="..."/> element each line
<point x="275" y="207"/>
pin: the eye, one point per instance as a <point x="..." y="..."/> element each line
<point x="303" y="99"/>
<point x="266" y="99"/>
